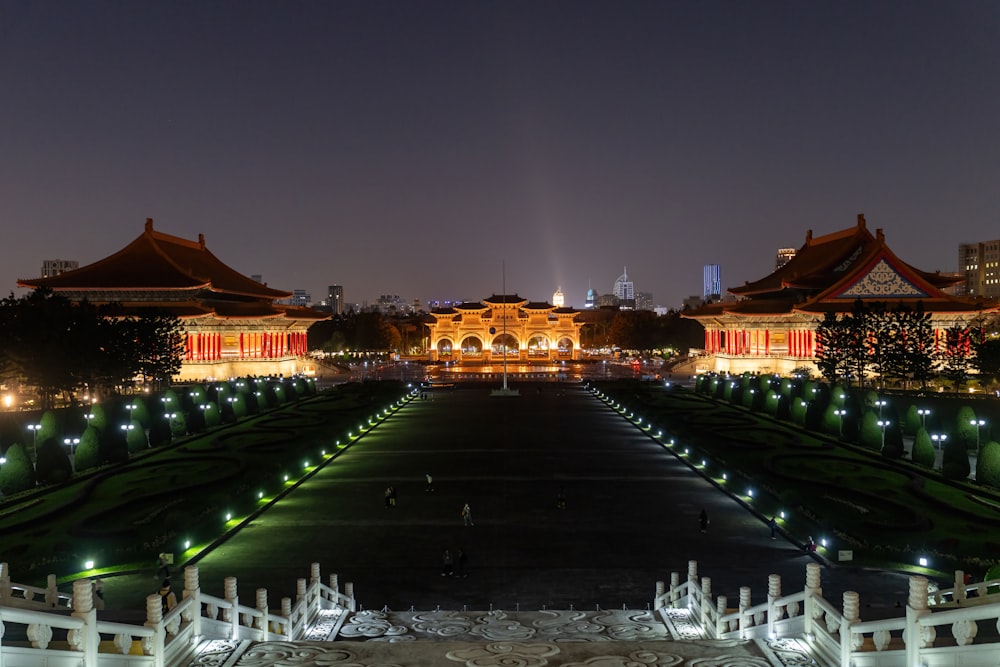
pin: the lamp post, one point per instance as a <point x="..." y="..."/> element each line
<point x="88" y="417"/>
<point x="979" y="424"/>
<point x="880" y="403"/>
<point x="938" y="444"/>
<point x="923" y="412"/>
<point x="72" y="442"/>
<point x="34" y="440"/>
<point x="883" y="425"/>
<point x="840" y="413"/>
<point x="130" y="407"/>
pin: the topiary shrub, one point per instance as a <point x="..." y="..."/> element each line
<point x="88" y="452"/>
<point x="52" y="465"/>
<point x="955" y="459"/>
<point x="832" y="422"/>
<point x="964" y="429"/>
<point x="798" y="408"/>
<point x="911" y="423"/>
<point x="871" y="432"/>
<point x="135" y="438"/>
<point x="988" y="465"/>
<point x="923" y="452"/>
<point x="159" y="433"/>
<point x="17" y="474"/>
<point x="771" y="403"/>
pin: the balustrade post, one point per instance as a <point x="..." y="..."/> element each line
<point x="675" y="584"/>
<point x="706" y="601"/>
<point x="773" y="613"/>
<point x="286" y="611"/>
<point x="744" y="605"/>
<point x="812" y="590"/>
<point x="192" y="589"/>
<point x="51" y="591"/>
<point x="83" y="608"/>
<point x="916" y="607"/>
<point x="851" y="615"/>
<point x="721" y="606"/>
<point x="314" y="581"/>
<point x="959" y="586"/>
<point x="349" y="592"/>
<point x="229" y="593"/>
<point x="264" y="622"/>
<point x="155" y="645"/>
<point x="661" y="589"/>
<point x="4" y="583"/>
<point x="335" y="587"/>
<point x="692" y="582"/>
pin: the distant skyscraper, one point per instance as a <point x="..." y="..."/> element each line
<point x="335" y="297"/>
<point x="558" y="299"/>
<point x="589" y="302"/>
<point x="644" y="301"/>
<point x="257" y="278"/>
<point x="713" y="282"/>
<point x="783" y="257"/>
<point x="53" y="267"/>
<point x="625" y="291"/>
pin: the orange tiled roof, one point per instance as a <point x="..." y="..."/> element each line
<point x="163" y="262"/>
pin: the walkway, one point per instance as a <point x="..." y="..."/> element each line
<point x="631" y="517"/>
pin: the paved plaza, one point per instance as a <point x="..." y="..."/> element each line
<point x="630" y="517"/>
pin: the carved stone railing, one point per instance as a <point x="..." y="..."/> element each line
<point x="943" y="634"/>
<point x="55" y="638"/>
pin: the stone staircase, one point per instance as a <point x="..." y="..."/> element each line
<point x="599" y="638"/>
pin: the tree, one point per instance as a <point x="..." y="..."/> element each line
<point x="923" y="452"/>
<point x="16" y="474"/>
<point x="956" y="355"/>
<point x="988" y="465"/>
<point x="955" y="459"/>
<point x="987" y="357"/>
<point x="832" y="343"/>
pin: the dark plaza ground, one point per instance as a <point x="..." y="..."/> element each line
<point x="631" y="516"/>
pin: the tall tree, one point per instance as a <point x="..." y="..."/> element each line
<point x="956" y="355"/>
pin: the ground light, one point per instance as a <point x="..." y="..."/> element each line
<point x="88" y="565"/>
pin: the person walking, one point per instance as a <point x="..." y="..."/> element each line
<point x="388" y="497"/>
<point x="467" y="515"/>
<point x="447" y="563"/>
<point x="703" y="521"/>
<point x="167" y="598"/>
<point x="392" y="496"/>
<point x="561" y="498"/>
<point x="163" y="571"/>
<point x="430" y="484"/>
<point x="773" y="525"/>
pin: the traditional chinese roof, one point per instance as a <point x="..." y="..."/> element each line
<point x="829" y="273"/>
<point x="158" y="261"/>
<point x="505" y="298"/>
<point x="179" y="276"/>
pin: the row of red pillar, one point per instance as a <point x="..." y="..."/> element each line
<point x="801" y="342"/>
<point x="263" y="345"/>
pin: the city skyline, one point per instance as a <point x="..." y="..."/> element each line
<point x="415" y="149"/>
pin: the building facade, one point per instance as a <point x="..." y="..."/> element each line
<point x="234" y="325"/>
<point x="711" y="283"/>
<point x="771" y="324"/>
<point x="979" y="265"/>
<point x="624" y="291"/>
<point x="53" y="267"/>
<point x="503" y="326"/>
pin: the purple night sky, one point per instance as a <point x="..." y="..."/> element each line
<point x="416" y="147"/>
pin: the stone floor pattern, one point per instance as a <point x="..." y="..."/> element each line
<point x="609" y="638"/>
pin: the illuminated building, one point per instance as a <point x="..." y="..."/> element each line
<point x="771" y="327"/>
<point x="233" y="325"/>
<point x="504" y="324"/>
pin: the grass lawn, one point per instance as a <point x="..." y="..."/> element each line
<point x="127" y="513"/>
<point x="888" y="512"/>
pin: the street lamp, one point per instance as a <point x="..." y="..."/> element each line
<point x="938" y="443"/>
<point x="72" y="442"/>
<point x="880" y="404"/>
<point x="840" y="413"/>
<point x="130" y="407"/>
<point x="883" y="425"/>
<point x="88" y="417"/>
<point x="923" y="412"/>
<point x="979" y="424"/>
<point x="34" y="439"/>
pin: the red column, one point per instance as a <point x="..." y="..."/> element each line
<point x="767" y="341"/>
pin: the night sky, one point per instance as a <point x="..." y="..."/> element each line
<point x="417" y="148"/>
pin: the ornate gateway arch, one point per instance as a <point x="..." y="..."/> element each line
<point x="502" y="325"/>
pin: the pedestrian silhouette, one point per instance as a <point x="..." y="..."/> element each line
<point x="703" y="521"/>
<point x="773" y="525"/>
